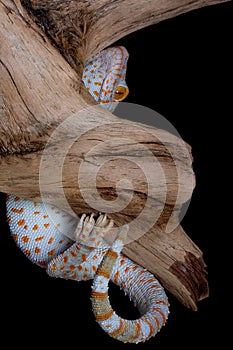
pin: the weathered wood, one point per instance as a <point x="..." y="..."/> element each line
<point x="81" y="28"/>
<point x="44" y="103"/>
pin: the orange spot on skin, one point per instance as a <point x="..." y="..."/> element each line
<point x="116" y="276"/>
<point x="35" y="227"/>
<point x="37" y="239"/>
<point x="157" y="321"/>
<point x="25" y="227"/>
<point x="162" y="302"/>
<point x="122" y="261"/>
<point x="25" y="239"/>
<point x="99" y="295"/>
<point x="94" y="268"/>
<point x="7" y="198"/>
<point x="37" y="250"/>
<point x="54" y="266"/>
<point x="89" y="81"/>
<point x="150" y="280"/>
<point x="21" y="222"/>
<point x="46" y="225"/>
<point x="106" y="92"/>
<point x="73" y="254"/>
<point x="97" y="83"/>
<point x="80" y="268"/>
<point x="118" y="330"/>
<point x="74" y="276"/>
<point x="51" y="252"/>
<point x="135" y="267"/>
<point x="112" y="254"/>
<point x="72" y="267"/>
<point x="58" y="225"/>
<point x="122" y="284"/>
<point x="127" y="269"/>
<point x="104" y="101"/>
<point x="27" y="252"/>
<point x="15" y="236"/>
<point x="138" y="328"/>
<point x="85" y="276"/>
<point x="161" y="313"/>
<point x="35" y="204"/>
<point x="17" y="211"/>
<point x="45" y="216"/>
<point x="42" y="263"/>
<point x="84" y="258"/>
<point x="92" y="71"/>
<point x="9" y="219"/>
<point x="57" y="212"/>
<point x="61" y="241"/>
<point x="36" y="212"/>
<point x="51" y="239"/>
<point x="105" y="316"/>
<point x="65" y="259"/>
<point x="16" y="199"/>
<point x="96" y="93"/>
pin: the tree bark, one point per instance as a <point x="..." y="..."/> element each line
<point x="58" y="146"/>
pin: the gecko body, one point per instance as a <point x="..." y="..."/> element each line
<point x="75" y="248"/>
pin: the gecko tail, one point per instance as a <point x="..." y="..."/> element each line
<point x="141" y="287"/>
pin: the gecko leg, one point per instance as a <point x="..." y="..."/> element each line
<point x="81" y="260"/>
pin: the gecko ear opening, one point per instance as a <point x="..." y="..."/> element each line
<point x="121" y="93"/>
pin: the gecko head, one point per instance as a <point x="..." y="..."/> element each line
<point x="104" y="76"/>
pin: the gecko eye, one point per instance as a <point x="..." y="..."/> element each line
<point x="121" y="93"/>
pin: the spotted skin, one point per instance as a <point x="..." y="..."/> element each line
<point x="104" y="263"/>
<point x="36" y="228"/>
<point x="104" y="76"/>
<point x="75" y="248"/>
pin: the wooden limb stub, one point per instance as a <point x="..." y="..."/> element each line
<point x="47" y="114"/>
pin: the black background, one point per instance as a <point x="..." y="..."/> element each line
<point x="181" y="68"/>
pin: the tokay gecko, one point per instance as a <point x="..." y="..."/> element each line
<point x="40" y="231"/>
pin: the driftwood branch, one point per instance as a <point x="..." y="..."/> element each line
<point x="56" y="145"/>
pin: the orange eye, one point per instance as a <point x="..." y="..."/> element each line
<point x="121" y="93"/>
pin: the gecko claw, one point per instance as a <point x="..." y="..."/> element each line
<point x="109" y="226"/>
<point x="101" y="220"/>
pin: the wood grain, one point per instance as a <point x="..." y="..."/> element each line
<point x="51" y="131"/>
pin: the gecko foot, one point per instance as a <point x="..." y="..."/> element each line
<point x="90" y="232"/>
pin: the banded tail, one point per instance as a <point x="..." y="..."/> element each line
<point x="141" y="286"/>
